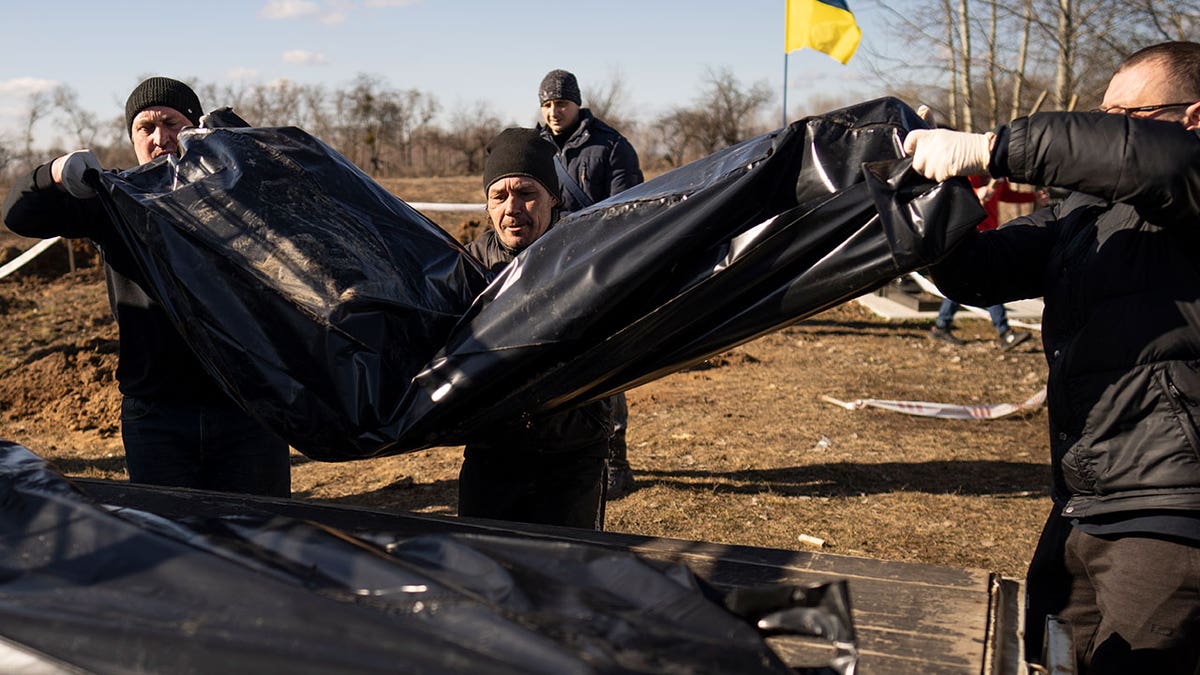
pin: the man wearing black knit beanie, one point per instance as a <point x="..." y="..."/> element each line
<point x="179" y="427"/>
<point x="550" y="469"/>
<point x="155" y="112"/>
<point x="595" y="162"/>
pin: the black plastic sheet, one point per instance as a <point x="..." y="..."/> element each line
<point x="87" y="589"/>
<point x="354" y="327"/>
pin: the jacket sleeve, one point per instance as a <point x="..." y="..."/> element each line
<point x="1000" y="265"/>
<point x="626" y="172"/>
<point x="1151" y="165"/>
<point x="35" y="207"/>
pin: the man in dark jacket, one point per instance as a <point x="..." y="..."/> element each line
<point x="179" y="428"/>
<point x="1118" y="263"/>
<point x="548" y="469"/>
<point x="594" y="162"/>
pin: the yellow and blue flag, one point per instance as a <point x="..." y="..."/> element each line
<point x="824" y="25"/>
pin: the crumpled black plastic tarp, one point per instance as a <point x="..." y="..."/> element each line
<point x="344" y="319"/>
<point x="130" y="591"/>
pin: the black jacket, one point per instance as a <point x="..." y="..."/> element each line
<point x="487" y="249"/>
<point x="584" y="430"/>
<point x="598" y="158"/>
<point x="154" y="361"/>
<point x="1118" y="264"/>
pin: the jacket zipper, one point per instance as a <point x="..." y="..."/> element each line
<point x="1187" y="420"/>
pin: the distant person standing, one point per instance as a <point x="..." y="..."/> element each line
<point x="990" y="192"/>
<point x="179" y="428"/>
<point x="593" y="162"/>
<point x="598" y="161"/>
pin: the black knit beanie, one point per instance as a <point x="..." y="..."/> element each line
<point x="559" y="85"/>
<point x="162" y="91"/>
<point x="520" y="152"/>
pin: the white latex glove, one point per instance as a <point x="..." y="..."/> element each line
<point x="69" y="173"/>
<point x="926" y="113"/>
<point x="939" y="154"/>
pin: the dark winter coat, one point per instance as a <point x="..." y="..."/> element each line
<point x="1118" y="264"/>
<point x="154" y="360"/>
<point x="584" y="430"/>
<point x="598" y="158"/>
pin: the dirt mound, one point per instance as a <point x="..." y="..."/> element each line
<point x="69" y="389"/>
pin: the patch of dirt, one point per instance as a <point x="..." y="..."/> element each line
<point x="739" y="449"/>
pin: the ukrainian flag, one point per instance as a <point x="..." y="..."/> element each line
<point x="824" y="25"/>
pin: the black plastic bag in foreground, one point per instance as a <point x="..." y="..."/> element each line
<point x="714" y="254"/>
<point x="353" y="355"/>
<point x="310" y="292"/>
<point x="133" y="591"/>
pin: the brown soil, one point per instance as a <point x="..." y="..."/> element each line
<point x="741" y="450"/>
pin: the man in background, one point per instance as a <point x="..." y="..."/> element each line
<point x="548" y="469"/>
<point x="593" y="162"/>
<point x="178" y="426"/>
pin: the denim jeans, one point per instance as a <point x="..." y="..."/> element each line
<point x="208" y="447"/>
<point x="949" y="308"/>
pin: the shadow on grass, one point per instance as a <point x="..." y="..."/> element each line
<point x="439" y="496"/>
<point x="843" y="479"/>
<point x="74" y="466"/>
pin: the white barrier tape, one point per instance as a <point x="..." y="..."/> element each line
<point x="438" y="206"/>
<point x="946" y="410"/>
<point x="928" y="286"/>
<point x="19" y="261"/>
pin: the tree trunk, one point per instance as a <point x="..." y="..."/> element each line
<point x="1022" y="58"/>
<point x="993" y="93"/>
<point x="964" y="72"/>
<point x="1064" y="75"/>
<point x="952" y="90"/>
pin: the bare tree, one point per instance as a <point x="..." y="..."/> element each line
<point x="607" y="101"/>
<point x="1022" y="59"/>
<point x="726" y="112"/>
<point x="39" y="105"/>
<point x="965" y="90"/>
<point x="82" y="123"/>
<point x="672" y="137"/>
<point x="8" y="156"/>
<point x="991" y="67"/>
<point x="1067" y="48"/>
<point x="468" y="136"/>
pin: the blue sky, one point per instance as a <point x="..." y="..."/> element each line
<point x="460" y="51"/>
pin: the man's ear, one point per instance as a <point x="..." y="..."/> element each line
<point x="1191" y="116"/>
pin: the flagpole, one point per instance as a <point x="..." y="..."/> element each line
<point x="785" y="83"/>
<point x="786" y="16"/>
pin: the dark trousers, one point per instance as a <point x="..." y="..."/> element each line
<point x="550" y="488"/>
<point x="1133" y="602"/>
<point x="617" y="458"/>
<point x="205" y="447"/>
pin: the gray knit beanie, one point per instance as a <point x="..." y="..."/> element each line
<point x="559" y="85"/>
<point x="521" y="152"/>
<point x="162" y="91"/>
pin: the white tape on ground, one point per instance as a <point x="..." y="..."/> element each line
<point x="20" y="261"/>
<point x="946" y="410"/>
<point x="436" y="206"/>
